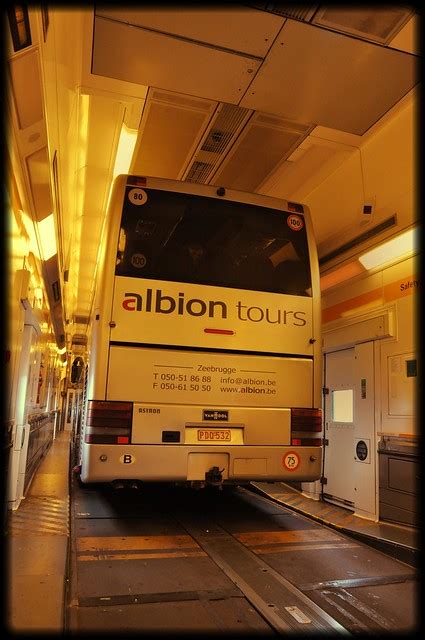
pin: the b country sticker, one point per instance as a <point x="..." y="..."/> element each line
<point x="127" y="458"/>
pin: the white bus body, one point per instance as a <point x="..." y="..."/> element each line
<point x="189" y="381"/>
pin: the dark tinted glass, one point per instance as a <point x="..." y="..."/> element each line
<point x="201" y="240"/>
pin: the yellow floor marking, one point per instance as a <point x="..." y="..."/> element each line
<point x="135" y="542"/>
<point x="141" y="556"/>
<point x="301" y="547"/>
<point x="270" y="537"/>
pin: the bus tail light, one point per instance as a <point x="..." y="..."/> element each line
<point x="108" y="422"/>
<point x="305" y="423"/>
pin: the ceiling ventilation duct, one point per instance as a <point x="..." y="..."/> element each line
<point x="265" y="142"/>
<point x="223" y="130"/>
<point x="297" y="12"/>
<point x="201" y="141"/>
<point x="241" y="149"/>
<point x="376" y="24"/>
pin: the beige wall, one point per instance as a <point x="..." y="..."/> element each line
<point x="24" y="281"/>
<point x="383" y="172"/>
<point x="393" y="291"/>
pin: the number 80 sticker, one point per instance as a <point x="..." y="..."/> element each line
<point x="137" y="196"/>
<point x="291" y="461"/>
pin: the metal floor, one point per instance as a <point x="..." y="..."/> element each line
<point x="399" y="541"/>
<point x="37" y="547"/>
<point x="38" y="540"/>
<point x="173" y="559"/>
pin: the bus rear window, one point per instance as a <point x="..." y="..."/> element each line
<point x="196" y="239"/>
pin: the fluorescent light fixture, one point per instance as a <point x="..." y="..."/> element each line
<point x="344" y="273"/>
<point x="125" y="151"/>
<point x="370" y="23"/>
<point x="395" y="249"/>
<point x="47" y="237"/>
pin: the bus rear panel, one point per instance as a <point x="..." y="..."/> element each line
<point x="204" y="361"/>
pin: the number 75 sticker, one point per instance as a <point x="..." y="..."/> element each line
<point x="291" y="461"/>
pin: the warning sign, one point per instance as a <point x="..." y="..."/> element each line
<point x="291" y="461"/>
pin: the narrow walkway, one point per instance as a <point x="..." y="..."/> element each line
<point x="37" y="546"/>
<point x="399" y="541"/>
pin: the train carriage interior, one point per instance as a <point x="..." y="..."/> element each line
<point x="315" y="105"/>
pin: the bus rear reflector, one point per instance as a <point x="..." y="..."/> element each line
<point x="305" y="423"/>
<point x="295" y="206"/>
<point x="136" y="181"/>
<point x="306" y="419"/>
<point x="306" y="442"/>
<point x="108" y="422"/>
<point x="221" y="332"/>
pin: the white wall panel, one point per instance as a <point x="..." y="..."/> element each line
<point x="138" y="55"/>
<point x="311" y="72"/>
<point x="242" y="29"/>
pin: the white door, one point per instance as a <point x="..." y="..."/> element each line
<point x="350" y="451"/>
<point x="339" y="427"/>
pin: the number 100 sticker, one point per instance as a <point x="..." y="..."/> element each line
<point x="291" y="461"/>
<point x="137" y="196"/>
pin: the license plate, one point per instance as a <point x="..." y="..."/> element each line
<point x="222" y="435"/>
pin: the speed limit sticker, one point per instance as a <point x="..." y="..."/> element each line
<point x="138" y="260"/>
<point x="291" y="460"/>
<point x="137" y="196"/>
<point x="295" y="222"/>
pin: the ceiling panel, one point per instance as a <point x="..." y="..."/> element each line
<point x="92" y="83"/>
<point x="263" y="144"/>
<point x="26" y="88"/>
<point x="243" y="29"/>
<point x="330" y="79"/>
<point x="39" y="176"/>
<point x="134" y="54"/>
<point x="171" y="127"/>
<point x="312" y="163"/>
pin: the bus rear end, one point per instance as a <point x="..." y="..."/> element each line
<point x="205" y="358"/>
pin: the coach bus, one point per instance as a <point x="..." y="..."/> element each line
<point x="204" y="359"/>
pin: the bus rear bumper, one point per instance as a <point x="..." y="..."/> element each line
<point x="182" y="463"/>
